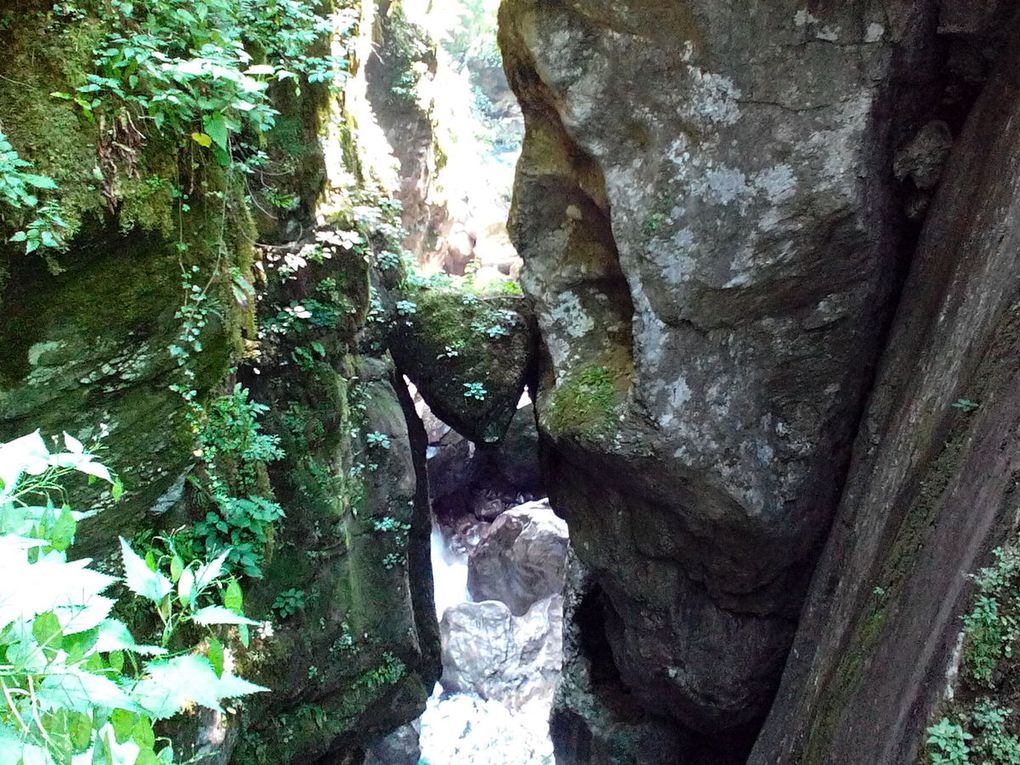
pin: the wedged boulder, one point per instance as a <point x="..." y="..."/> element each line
<point x="497" y="656"/>
<point x="521" y="558"/>
<point x="468" y="356"/>
<point x="706" y="207"/>
<point x="933" y="482"/>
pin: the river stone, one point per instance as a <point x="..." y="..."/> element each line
<point x="521" y="558"/>
<point x="491" y="653"/>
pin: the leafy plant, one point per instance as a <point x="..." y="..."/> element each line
<point x="475" y="390"/>
<point x="288" y="603"/>
<point x="77" y="687"/>
<point x="378" y="439"/>
<point x="947" y="742"/>
<point x="19" y="190"/>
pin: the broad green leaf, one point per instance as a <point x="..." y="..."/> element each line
<point x="233" y="597"/>
<point x="216" y="128"/>
<point x="140" y="579"/>
<point x="202" y="139"/>
<point x="47" y="633"/>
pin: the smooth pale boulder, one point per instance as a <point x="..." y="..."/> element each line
<point x="521" y="559"/>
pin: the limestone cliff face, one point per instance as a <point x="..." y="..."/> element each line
<point x="710" y="223"/>
<point x="932" y="487"/>
<point x="92" y="344"/>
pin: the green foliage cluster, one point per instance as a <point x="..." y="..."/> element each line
<point x="19" y="189"/>
<point x="197" y="73"/>
<point x="980" y="726"/>
<point x="288" y="603"/>
<point x="76" y="685"/>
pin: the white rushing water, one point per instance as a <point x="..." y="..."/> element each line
<point x="462" y="728"/>
<point x="449" y="573"/>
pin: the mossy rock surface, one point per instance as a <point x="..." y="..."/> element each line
<point x="469" y="357"/>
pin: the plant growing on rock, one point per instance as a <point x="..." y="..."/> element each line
<point x="76" y="685"/>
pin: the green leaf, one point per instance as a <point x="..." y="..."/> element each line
<point x="216" y="656"/>
<point x="47" y="633"/>
<point x="216" y="128"/>
<point x="62" y="534"/>
<point x="202" y="139"/>
<point x="233" y="597"/>
<point x="39" y="181"/>
<point x="142" y="580"/>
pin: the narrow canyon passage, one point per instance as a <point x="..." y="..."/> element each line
<point x="509" y="382"/>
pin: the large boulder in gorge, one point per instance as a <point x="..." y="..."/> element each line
<point x="710" y="224"/>
<point x="468" y="356"/>
<point x="521" y="558"/>
<point x="497" y="656"/>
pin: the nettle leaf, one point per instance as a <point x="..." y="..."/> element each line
<point x="219" y="615"/>
<point x="71" y="590"/>
<point x="171" y="685"/>
<point x="114" y="635"/>
<point x="142" y="580"/>
<point x="66" y="687"/>
<point x="210" y="572"/>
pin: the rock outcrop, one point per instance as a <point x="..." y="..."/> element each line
<point x="711" y="227"/>
<point x="932" y="486"/>
<point x="468" y="356"/>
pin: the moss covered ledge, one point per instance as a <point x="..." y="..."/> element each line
<point x="470" y="356"/>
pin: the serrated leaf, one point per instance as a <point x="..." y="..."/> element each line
<point x="113" y="635"/>
<point x="219" y="615"/>
<point x="140" y="579"/>
<point x="66" y="687"/>
<point x="210" y="572"/>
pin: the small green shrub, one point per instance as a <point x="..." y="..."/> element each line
<point x="77" y="686"/>
<point x="947" y="742"/>
<point x="288" y="603"/>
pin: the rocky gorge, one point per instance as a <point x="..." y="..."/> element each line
<point x="709" y="457"/>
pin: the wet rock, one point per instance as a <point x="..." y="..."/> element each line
<point x="398" y="748"/>
<point x="521" y="558"/>
<point x="469" y="357"/>
<point x="491" y="653"/>
<point x="703" y="206"/>
<point x="461" y="728"/>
